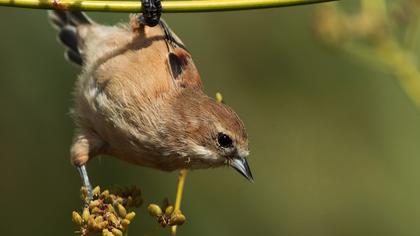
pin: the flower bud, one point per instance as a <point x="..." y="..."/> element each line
<point x="94" y="204"/>
<point x="105" y="194"/>
<point x="121" y="210"/>
<point x="105" y="232"/>
<point x="169" y="210"/>
<point x="96" y="191"/>
<point x="83" y="192"/>
<point x="117" y="232"/>
<point x="100" y="226"/>
<point x="110" y="208"/>
<point x="120" y="200"/>
<point x="130" y="201"/>
<point x="177" y="218"/>
<point x="77" y="219"/>
<point x="154" y="210"/>
<point x="125" y="223"/>
<point x="113" y="218"/>
<point x="85" y="214"/>
<point x="130" y="216"/>
<point x="97" y="227"/>
<point x="99" y="219"/>
<point x="91" y="223"/>
<point x="96" y="210"/>
<point x="219" y="97"/>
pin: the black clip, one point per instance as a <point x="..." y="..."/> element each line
<point x="152" y="10"/>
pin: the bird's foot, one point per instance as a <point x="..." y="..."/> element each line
<point x="86" y="184"/>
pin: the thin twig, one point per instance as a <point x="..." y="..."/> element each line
<point x="167" y="6"/>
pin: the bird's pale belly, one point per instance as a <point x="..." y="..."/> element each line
<point x="164" y="162"/>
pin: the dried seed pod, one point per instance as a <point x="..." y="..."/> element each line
<point x="121" y="210"/>
<point x="85" y="214"/>
<point x="154" y="210"/>
<point x="77" y="219"/>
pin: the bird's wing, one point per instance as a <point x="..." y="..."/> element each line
<point x="157" y="53"/>
<point x="183" y="70"/>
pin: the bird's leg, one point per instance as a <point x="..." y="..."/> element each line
<point x="85" y="182"/>
<point x="85" y="147"/>
<point x="179" y="192"/>
<point x="152" y="10"/>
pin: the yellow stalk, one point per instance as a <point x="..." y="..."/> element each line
<point x="179" y="192"/>
<point x="167" y="6"/>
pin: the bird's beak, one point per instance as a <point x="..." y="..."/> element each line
<point x="241" y="165"/>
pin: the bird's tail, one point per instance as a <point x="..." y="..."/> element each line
<point x="66" y="22"/>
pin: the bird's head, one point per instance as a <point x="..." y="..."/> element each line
<point x="213" y="132"/>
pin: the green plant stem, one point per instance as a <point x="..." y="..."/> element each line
<point x="179" y="193"/>
<point x="167" y="6"/>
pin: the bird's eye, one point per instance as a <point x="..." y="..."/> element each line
<point x="224" y="140"/>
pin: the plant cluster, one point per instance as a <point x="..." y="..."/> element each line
<point x="107" y="213"/>
<point x="383" y="34"/>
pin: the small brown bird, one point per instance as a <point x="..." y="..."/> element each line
<point x="139" y="98"/>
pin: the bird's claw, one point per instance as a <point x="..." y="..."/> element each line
<point x="86" y="184"/>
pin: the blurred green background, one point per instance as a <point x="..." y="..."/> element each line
<point x="334" y="144"/>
